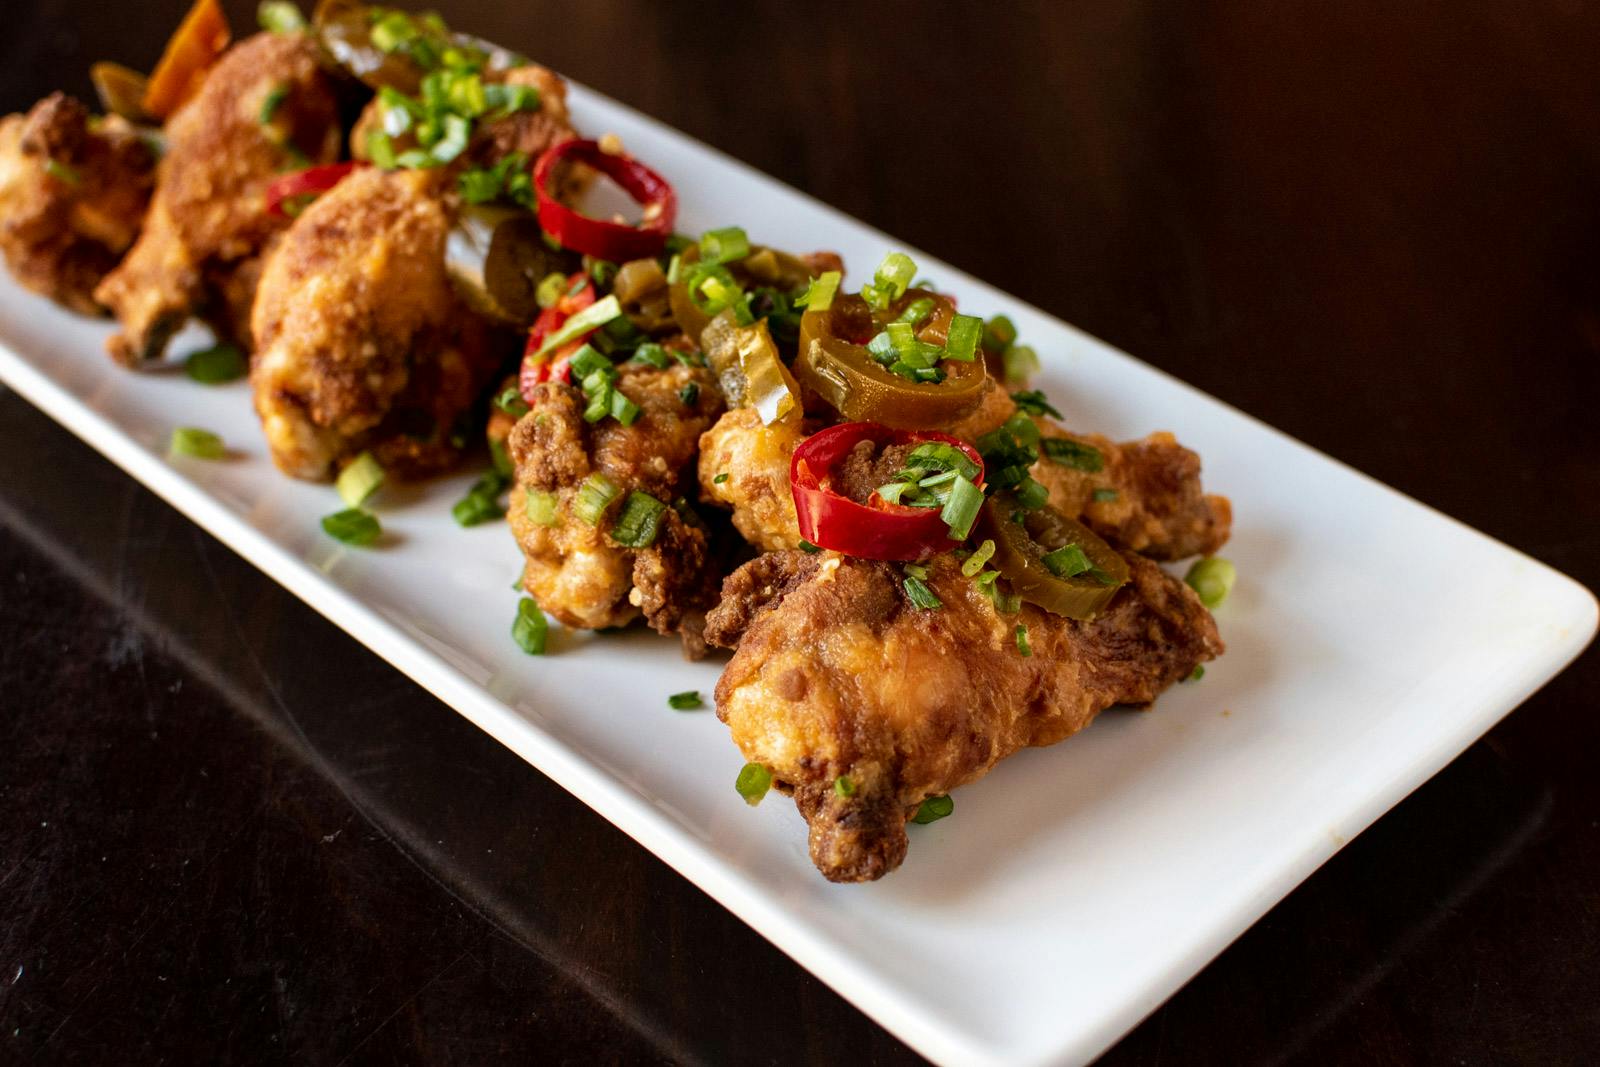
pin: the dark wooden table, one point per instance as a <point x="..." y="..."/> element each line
<point x="229" y="833"/>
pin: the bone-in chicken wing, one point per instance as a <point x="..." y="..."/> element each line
<point x="73" y="191"/>
<point x="575" y="569"/>
<point x="265" y="108"/>
<point x="838" y="674"/>
<point x="362" y="343"/>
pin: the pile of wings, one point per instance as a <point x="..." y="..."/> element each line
<point x="918" y="570"/>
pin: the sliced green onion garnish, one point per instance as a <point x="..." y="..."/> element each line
<point x="933" y="809"/>
<point x="603" y="271"/>
<point x="1024" y="429"/>
<point x="807" y="546"/>
<point x="539" y="505"/>
<point x="623" y="410"/>
<point x="1030" y="494"/>
<point x="1213" y="579"/>
<point x="719" y="479"/>
<point x="961" y="341"/>
<point x="724" y="245"/>
<point x="590" y="318"/>
<point x="639" y="522"/>
<point x="915" y="570"/>
<point x="501" y="459"/>
<point x="689" y="395"/>
<point x="594" y="497"/>
<point x="653" y="354"/>
<point x="550" y="289"/>
<point x="962" y="508"/>
<point x="916" y="311"/>
<point x="201" y="444"/>
<point x="921" y="596"/>
<point x="1022" y="641"/>
<point x="1074" y="454"/>
<point x="1198" y="673"/>
<point x="1034" y="403"/>
<point x="280" y="16"/>
<point x="983" y="554"/>
<point x="511" y="402"/>
<point x="587" y="360"/>
<point x="353" y="526"/>
<point x="820" y="293"/>
<point x="685" y="701"/>
<point x="456" y="131"/>
<point x="844" y="786"/>
<point x="1102" y="496"/>
<point x="359" y="480"/>
<point x="530" y="629"/>
<point x="1068" y="561"/>
<point x="380" y="149"/>
<point x="753" y="782"/>
<point x="217" y="364"/>
<point x="890" y="280"/>
<point x="482" y="502"/>
<point x="1020" y="363"/>
<point x="940" y="456"/>
<point x="999" y="334"/>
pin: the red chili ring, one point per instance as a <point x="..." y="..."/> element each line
<point x="313" y="181"/>
<point x="881" y="531"/>
<point x="614" y="241"/>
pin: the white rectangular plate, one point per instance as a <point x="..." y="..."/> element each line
<point x="1370" y="640"/>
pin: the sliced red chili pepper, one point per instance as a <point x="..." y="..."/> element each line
<point x="287" y="190"/>
<point x="615" y="241"/>
<point x="551" y="319"/>
<point x="877" y="529"/>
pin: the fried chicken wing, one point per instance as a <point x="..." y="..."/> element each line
<point x="837" y="675"/>
<point x="362" y="341"/>
<point x="265" y="108"/>
<point x="574" y="568"/>
<point x="73" y="190"/>
<point x="1144" y="496"/>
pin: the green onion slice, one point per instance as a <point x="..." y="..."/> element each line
<point x="933" y="809"/>
<point x="983" y="554"/>
<point x="820" y="293"/>
<point x="1022" y="641"/>
<point x="530" y="629"/>
<point x="594" y="497"/>
<point x="921" y="596"/>
<point x="1213" y="579"/>
<point x="685" y="701"/>
<point x="359" y="480"/>
<point x="200" y="444"/>
<point x="753" y="782"/>
<point x="592" y="317"/>
<point x="844" y="785"/>
<point x="217" y="364"/>
<point x="353" y="526"/>
<point x="640" y="521"/>
<point x="724" y="245"/>
<point x="1074" y="454"/>
<point x="961" y="510"/>
<point x="539" y="506"/>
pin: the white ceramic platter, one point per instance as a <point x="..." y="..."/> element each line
<point x="1370" y="640"/>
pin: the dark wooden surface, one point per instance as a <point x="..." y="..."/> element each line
<point x="228" y="833"/>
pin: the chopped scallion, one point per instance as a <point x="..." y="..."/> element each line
<point x="353" y="526"/>
<point x="724" y="245"/>
<point x="753" y="782"/>
<point x="539" y="505"/>
<point x="280" y="16"/>
<point x="200" y="444"/>
<point x="921" y="596"/>
<point x="975" y="562"/>
<point x="550" y="289"/>
<point x="719" y="479"/>
<point x="652" y="354"/>
<point x="1068" y="561"/>
<point x="1198" y="673"/>
<point x="1034" y="403"/>
<point x="359" y="480"/>
<point x="933" y="809"/>
<point x="685" y="701"/>
<point x="689" y="395"/>
<point x="510" y="401"/>
<point x="1022" y="641"/>
<point x="640" y="521"/>
<point x="595" y="495"/>
<point x="844" y="785"/>
<point x="961" y="340"/>
<point x="1074" y="454"/>
<point x="807" y="546"/>
<point x="217" y="364"/>
<point x="1103" y="496"/>
<point x="961" y="510"/>
<point x="591" y="317"/>
<point x="272" y="102"/>
<point x="530" y="630"/>
<point x="1020" y="363"/>
<point x="1213" y="579"/>
<point x="819" y="294"/>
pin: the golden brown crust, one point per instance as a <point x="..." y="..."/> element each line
<point x="362" y="343"/>
<point x="1153" y="503"/>
<point x="73" y="191"/>
<point x="575" y="570"/>
<point x="837" y="673"/>
<point x="755" y="460"/>
<point x="209" y="214"/>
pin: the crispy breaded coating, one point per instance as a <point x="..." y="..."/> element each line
<point x="755" y="460"/>
<point x="1150" y="499"/>
<point x="73" y="191"/>
<point x="362" y="341"/>
<point x="838" y="674"/>
<point x="209" y="215"/>
<point x="575" y="570"/>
